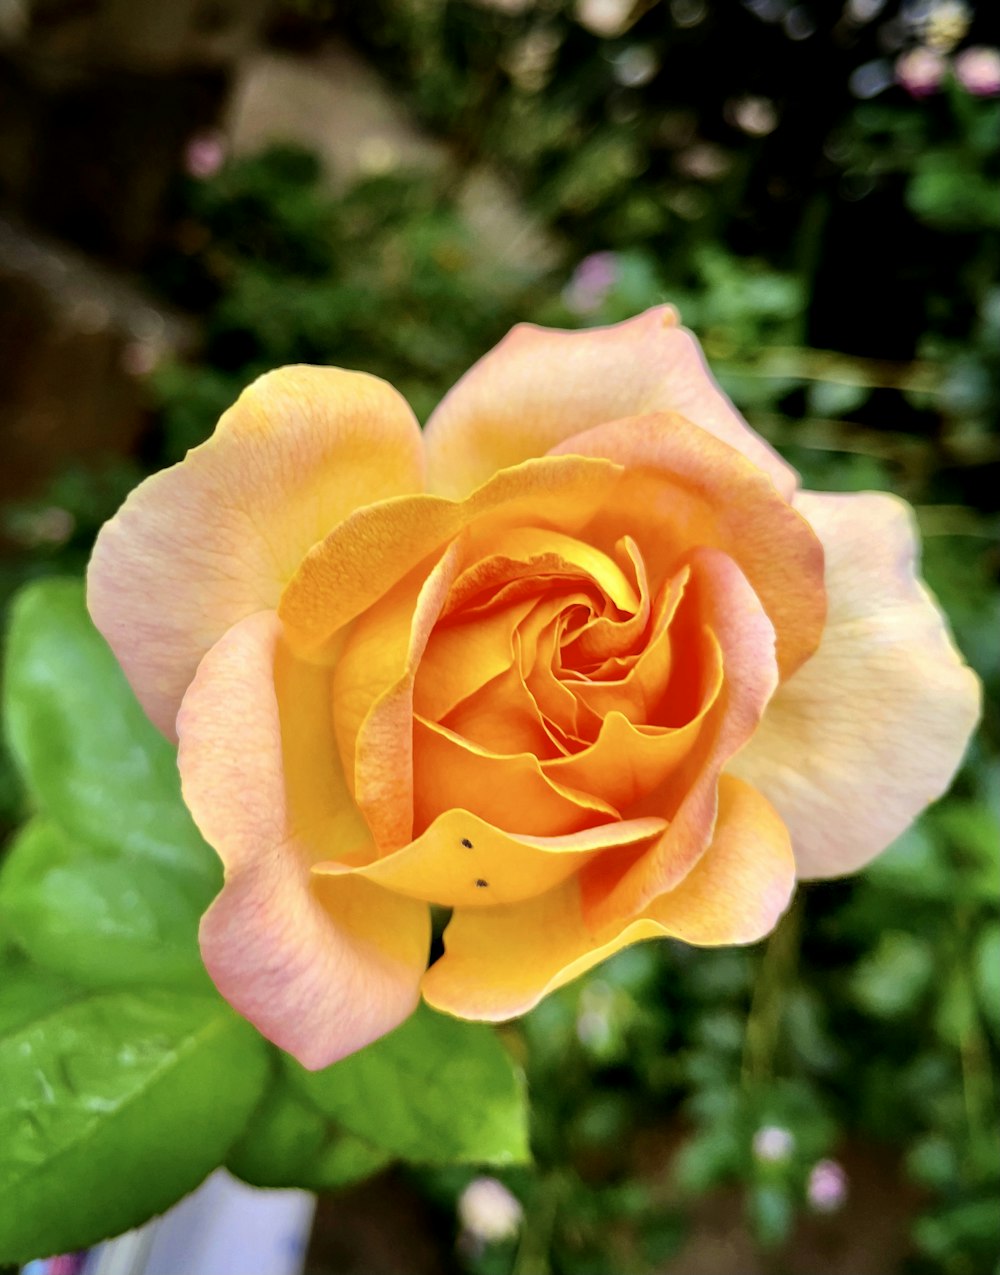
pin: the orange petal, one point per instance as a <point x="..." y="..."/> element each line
<point x="202" y="545"/>
<point x="361" y="560"/>
<point x="500" y="962"/>
<point x="452" y="772"/>
<point x="463" y="861"/>
<point x="744" y="881"/>
<point x="873" y="727"/>
<point x="463" y="656"/>
<point x="731" y="505"/>
<point x="624" y="884"/>
<point x="643" y="681"/>
<point x="320" y="966"/>
<point x="540" y="386"/>
<point x="382" y="656"/>
<point x="627" y="762"/>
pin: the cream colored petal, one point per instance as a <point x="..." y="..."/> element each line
<point x="539" y="386"/>
<point x="320" y="966"/>
<point x="873" y="727"/>
<point x="202" y="545"/>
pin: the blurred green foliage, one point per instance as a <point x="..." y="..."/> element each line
<point x="837" y="255"/>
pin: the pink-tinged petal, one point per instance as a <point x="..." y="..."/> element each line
<point x="624" y="883"/>
<point x="683" y="487"/>
<point x="463" y="861"/>
<point x="873" y="727"/>
<point x="321" y="966"/>
<point x="500" y="962"/>
<point x="200" y="546"/>
<point x="744" y="881"/>
<point x="540" y="386"/>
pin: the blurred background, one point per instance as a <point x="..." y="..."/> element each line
<point x="192" y="193"/>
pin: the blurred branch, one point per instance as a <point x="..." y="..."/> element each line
<point x="805" y="364"/>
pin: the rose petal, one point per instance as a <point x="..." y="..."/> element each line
<point x="627" y="762"/>
<point x="380" y="660"/>
<point x="642" y="683"/>
<point x="363" y="558"/>
<point x="624" y="884"/>
<point x="744" y="881"/>
<point x="202" y="545"/>
<point x="464" y="655"/>
<point x="320" y="966"/>
<point x="449" y="771"/>
<point x="463" y="861"/>
<point x="682" y="488"/>
<point x="539" y="386"/>
<point x="873" y="727"/>
<point x="500" y="962"/>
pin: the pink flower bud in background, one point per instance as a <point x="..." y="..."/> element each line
<point x="920" y="71"/>
<point x="827" y="1188"/>
<point x="978" y="70"/>
<point x="772" y="1144"/>
<point x="591" y="282"/>
<point x="488" y="1212"/>
<point x="204" y="155"/>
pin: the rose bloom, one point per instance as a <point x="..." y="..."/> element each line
<point x="581" y="663"/>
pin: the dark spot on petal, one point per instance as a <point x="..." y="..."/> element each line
<point x="467" y="843"/>
<point x="481" y="884"/>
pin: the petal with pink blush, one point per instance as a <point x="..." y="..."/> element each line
<point x="874" y="726"/>
<point x="500" y="962"/>
<point x="321" y="966"/>
<point x="540" y="386"/>
<point x="200" y="546"/>
<point x="683" y="487"/>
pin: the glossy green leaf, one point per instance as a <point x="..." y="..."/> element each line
<point x="91" y="759"/>
<point x="436" y="1091"/>
<point x="289" y="1142"/>
<point x="102" y="918"/>
<point x="113" y="1104"/>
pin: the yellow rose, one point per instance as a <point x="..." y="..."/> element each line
<point x="569" y="663"/>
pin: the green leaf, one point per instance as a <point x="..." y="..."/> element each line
<point x="434" y="1091"/>
<point x="289" y="1142"/>
<point x="893" y="979"/>
<point x="986" y="971"/>
<point x="102" y="919"/>
<point x="92" y="760"/>
<point x="113" y="1104"/>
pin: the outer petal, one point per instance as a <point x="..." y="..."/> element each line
<point x="873" y="727"/>
<point x="321" y="966"/>
<point x="202" y="545"/>
<point x="539" y="386"/>
<point x="500" y="962"/>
